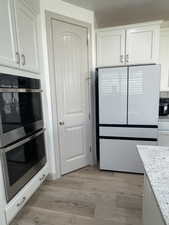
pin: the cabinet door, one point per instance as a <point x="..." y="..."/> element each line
<point x="164" y="58"/>
<point x="163" y="139"/>
<point x="8" y="44"/>
<point x="151" y="210"/>
<point x="27" y="36"/>
<point x="142" y="45"/>
<point x="110" y="48"/>
<point x="113" y="95"/>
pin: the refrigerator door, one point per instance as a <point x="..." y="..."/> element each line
<point x="143" y="94"/>
<point x="112" y="95"/>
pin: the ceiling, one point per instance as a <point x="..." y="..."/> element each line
<point x="118" y="12"/>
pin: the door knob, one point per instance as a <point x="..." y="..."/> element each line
<point x="61" y="123"/>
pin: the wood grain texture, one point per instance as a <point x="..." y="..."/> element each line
<point x="86" y="197"/>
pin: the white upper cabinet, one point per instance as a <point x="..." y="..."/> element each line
<point x="26" y="26"/>
<point x="142" y="44"/>
<point x="110" y="47"/>
<point x="8" y="43"/>
<point x="164" y="59"/>
<point x="132" y="44"/>
<point x="19" y="34"/>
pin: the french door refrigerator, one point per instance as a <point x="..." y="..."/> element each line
<point x="127" y="114"/>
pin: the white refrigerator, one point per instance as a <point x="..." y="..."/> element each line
<point x="127" y="114"/>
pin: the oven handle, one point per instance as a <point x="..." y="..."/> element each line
<point x="11" y="147"/>
<point x="19" y="90"/>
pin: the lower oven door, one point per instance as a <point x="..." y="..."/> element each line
<point x="22" y="161"/>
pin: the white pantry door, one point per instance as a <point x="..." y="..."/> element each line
<point x="72" y="87"/>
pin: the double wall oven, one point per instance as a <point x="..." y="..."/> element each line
<point x="22" y="144"/>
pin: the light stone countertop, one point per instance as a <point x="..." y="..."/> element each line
<point x="156" y="164"/>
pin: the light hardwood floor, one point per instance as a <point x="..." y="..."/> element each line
<point x="86" y="197"/>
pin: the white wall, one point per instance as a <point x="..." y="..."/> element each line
<point x="66" y="9"/>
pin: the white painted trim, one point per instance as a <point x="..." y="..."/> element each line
<point x="158" y="22"/>
<point x="18" y="72"/>
<point x="49" y="16"/>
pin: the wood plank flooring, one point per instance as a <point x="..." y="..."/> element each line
<point x="86" y="197"/>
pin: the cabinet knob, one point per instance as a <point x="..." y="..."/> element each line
<point x="42" y="178"/>
<point x="122" y="58"/>
<point x="61" y="123"/>
<point x="17" y="58"/>
<point x="21" y="202"/>
<point x="23" y="60"/>
<point x="127" y="58"/>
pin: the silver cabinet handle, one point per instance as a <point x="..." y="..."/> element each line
<point x="21" y="202"/>
<point x="23" y="60"/>
<point x="61" y="123"/>
<point x="17" y="58"/>
<point x="121" y="58"/>
<point x="127" y="58"/>
<point x="42" y="178"/>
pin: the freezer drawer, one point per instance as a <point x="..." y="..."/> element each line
<point x="121" y="155"/>
<point x="137" y="132"/>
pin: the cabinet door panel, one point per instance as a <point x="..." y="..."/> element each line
<point x="8" y="44"/>
<point x="27" y="35"/>
<point x="151" y="210"/>
<point x="164" y="57"/>
<point x="142" y="45"/>
<point x="113" y="95"/>
<point x="110" y="48"/>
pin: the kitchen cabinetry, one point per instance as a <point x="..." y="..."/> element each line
<point x="142" y="44"/>
<point x="26" y="21"/>
<point x="132" y="44"/>
<point x="19" y="36"/>
<point x="164" y="59"/>
<point x="8" y="42"/>
<point x="111" y="47"/>
<point x="151" y="211"/>
<point x="163" y="139"/>
<point x="16" y="204"/>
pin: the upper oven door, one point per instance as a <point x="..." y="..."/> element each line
<point x="20" y="113"/>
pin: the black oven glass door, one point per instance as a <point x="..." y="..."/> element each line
<point x="22" y="161"/>
<point x="21" y="114"/>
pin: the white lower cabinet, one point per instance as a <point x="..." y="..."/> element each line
<point x="121" y="155"/>
<point x="151" y="211"/>
<point x="16" y="204"/>
<point x="163" y="139"/>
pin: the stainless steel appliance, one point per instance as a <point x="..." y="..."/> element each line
<point x="127" y="114"/>
<point x="20" y="108"/>
<point x="164" y="107"/>
<point x="21" y="161"/>
<point x="22" y="145"/>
